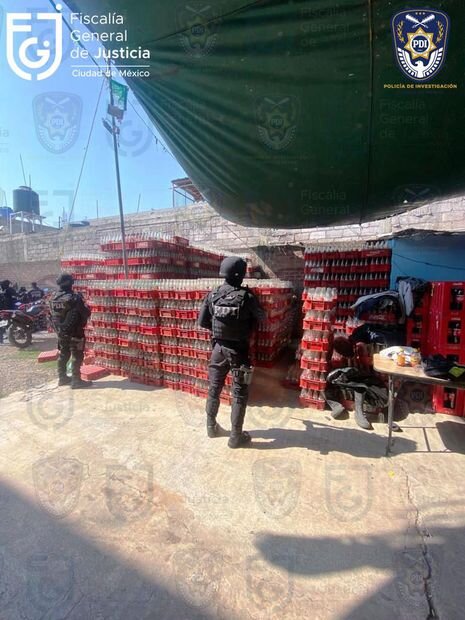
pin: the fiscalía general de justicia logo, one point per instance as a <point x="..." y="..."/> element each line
<point x="420" y="42"/>
<point x="27" y="56"/>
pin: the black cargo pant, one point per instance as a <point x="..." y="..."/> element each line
<point x="70" y="347"/>
<point x="226" y="356"/>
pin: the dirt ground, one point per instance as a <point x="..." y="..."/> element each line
<point x="115" y="505"/>
<point x="19" y="369"/>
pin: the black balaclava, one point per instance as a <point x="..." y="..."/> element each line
<point x="65" y="282"/>
<point x="233" y="269"/>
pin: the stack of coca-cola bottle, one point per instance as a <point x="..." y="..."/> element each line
<point x="319" y="309"/>
<point x="354" y="269"/>
<point x="147" y="329"/>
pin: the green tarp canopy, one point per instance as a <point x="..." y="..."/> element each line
<point x="303" y="113"/>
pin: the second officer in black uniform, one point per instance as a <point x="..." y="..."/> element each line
<point x="231" y="312"/>
<point x="70" y="315"/>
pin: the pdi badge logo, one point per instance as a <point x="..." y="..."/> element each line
<point x="420" y="42"/>
<point x="20" y="48"/>
<point x="277" y="485"/>
<point x="198" y="574"/>
<point x="57" y="483"/>
<point x="198" y="23"/>
<point x="270" y="584"/>
<point x="129" y="492"/>
<point x="57" y="118"/>
<point x="277" y="120"/>
<point x="416" y="193"/>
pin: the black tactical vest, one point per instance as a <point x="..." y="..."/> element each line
<point x="60" y="305"/>
<point x="230" y="312"/>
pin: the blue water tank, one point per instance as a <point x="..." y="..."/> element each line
<point x="5" y="212"/>
<point x="26" y="199"/>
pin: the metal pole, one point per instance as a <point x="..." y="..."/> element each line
<point x="22" y="167"/>
<point x="118" y="180"/>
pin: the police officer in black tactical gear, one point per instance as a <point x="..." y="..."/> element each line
<point x="230" y="312"/>
<point x="9" y="295"/>
<point x="70" y="315"/>
<point x="35" y="293"/>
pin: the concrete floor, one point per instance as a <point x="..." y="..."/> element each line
<point x="115" y="505"/>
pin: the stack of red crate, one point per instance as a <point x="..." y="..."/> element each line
<point x="147" y="330"/>
<point x="354" y="270"/>
<point x="446" y="335"/>
<point x="123" y="332"/>
<point x="273" y="334"/>
<point x="417" y="335"/>
<point x="149" y="256"/>
<point x="319" y="312"/>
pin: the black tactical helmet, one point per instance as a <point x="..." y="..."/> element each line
<point x="65" y="280"/>
<point x="5" y="284"/>
<point x="233" y="268"/>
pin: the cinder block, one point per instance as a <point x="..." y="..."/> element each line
<point x="47" y="356"/>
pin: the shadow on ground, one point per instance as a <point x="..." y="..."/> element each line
<point x="327" y="439"/>
<point x="50" y="571"/>
<point x="423" y="584"/>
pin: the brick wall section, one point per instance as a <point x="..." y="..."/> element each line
<point x="204" y="227"/>
<point x="42" y="272"/>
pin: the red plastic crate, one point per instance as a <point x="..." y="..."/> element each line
<point x="449" y="400"/>
<point x="446" y="333"/>
<point x="312" y="403"/>
<point x="146" y="312"/>
<point x="48" y="356"/>
<point x="312" y="384"/>
<point x="92" y="373"/>
<point x="167" y="367"/>
<point x="186" y="314"/>
<point x="319" y="325"/>
<point x="169" y="349"/>
<point x="318" y="365"/>
<point x="315" y="345"/>
<point x="168" y="313"/>
<point x="172" y="332"/>
<point x="149" y="330"/>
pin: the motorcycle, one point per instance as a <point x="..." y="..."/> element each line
<point x="21" y="323"/>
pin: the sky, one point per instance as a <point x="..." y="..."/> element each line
<point x="52" y="144"/>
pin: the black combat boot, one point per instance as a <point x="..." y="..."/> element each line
<point x="238" y="437"/>
<point x="63" y="378"/>
<point x="77" y="383"/>
<point x="212" y="406"/>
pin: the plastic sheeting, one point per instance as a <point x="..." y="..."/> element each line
<point x="297" y="113"/>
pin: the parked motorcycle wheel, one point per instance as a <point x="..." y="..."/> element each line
<point x="19" y="336"/>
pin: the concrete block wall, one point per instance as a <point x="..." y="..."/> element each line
<point x="205" y="228"/>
